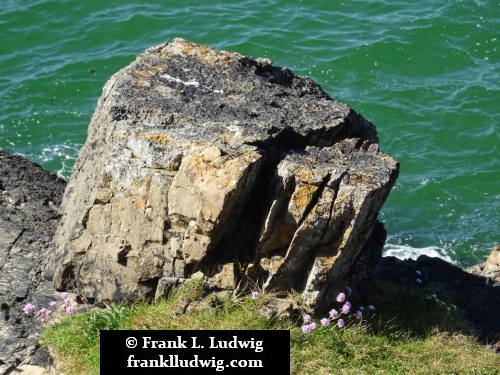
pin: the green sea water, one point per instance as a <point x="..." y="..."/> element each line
<point x="426" y="73"/>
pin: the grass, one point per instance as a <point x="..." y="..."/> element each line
<point x="408" y="333"/>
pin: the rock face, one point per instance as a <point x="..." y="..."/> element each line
<point x="29" y="212"/>
<point x="207" y="162"/>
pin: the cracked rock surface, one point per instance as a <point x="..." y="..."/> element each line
<point x="206" y="161"/>
<point x="29" y="212"/>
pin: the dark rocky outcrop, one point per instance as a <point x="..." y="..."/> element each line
<point x="29" y="212"/>
<point x="207" y="163"/>
<point x="477" y="297"/>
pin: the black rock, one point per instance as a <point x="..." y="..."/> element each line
<point x="475" y="296"/>
<point x="29" y="213"/>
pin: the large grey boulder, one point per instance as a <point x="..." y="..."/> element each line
<point x="211" y="164"/>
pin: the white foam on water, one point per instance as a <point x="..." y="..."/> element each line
<point x="408" y="252"/>
<point x="64" y="154"/>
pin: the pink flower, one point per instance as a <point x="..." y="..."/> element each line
<point x="307" y="318"/>
<point x="341" y="297"/>
<point x="36" y="334"/>
<point x="48" y="312"/>
<point x="325" y="322"/>
<point x="53" y="303"/>
<point x="29" y="308"/>
<point x="341" y="323"/>
<point x="68" y="300"/>
<point x="41" y="312"/>
<point x="333" y="313"/>
<point x="70" y="309"/>
<point x="63" y="295"/>
<point x="359" y="314"/>
<point x="307" y="328"/>
<point x="255" y="294"/>
<point x="346" y="308"/>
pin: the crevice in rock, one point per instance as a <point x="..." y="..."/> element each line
<point x="152" y="285"/>
<point x="240" y="244"/>
<point x="319" y="247"/>
<point x="286" y="139"/>
<point x="335" y="187"/>
<point x="315" y="198"/>
<point x="9" y="248"/>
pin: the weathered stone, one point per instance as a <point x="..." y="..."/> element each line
<point x="199" y="160"/>
<point x="490" y="268"/>
<point x="29" y="213"/>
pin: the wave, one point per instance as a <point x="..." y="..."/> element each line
<point x="407" y="252"/>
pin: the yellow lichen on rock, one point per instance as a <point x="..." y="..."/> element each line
<point x="162" y="138"/>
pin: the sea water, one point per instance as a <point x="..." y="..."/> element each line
<point x="426" y="73"/>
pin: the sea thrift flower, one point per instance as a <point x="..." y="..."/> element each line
<point x="418" y="281"/>
<point x="341" y="323"/>
<point x="70" y="309"/>
<point x="359" y="314"/>
<point x="308" y="327"/>
<point x="341" y="297"/>
<point x="255" y="294"/>
<point x="63" y="295"/>
<point x="418" y="273"/>
<point x="68" y="300"/>
<point x="29" y="308"/>
<point x="53" y="303"/>
<point x="346" y="308"/>
<point x="36" y="334"/>
<point x="307" y="318"/>
<point x="41" y="312"/>
<point x="333" y="313"/>
<point x="325" y="322"/>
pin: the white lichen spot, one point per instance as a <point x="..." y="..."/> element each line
<point x="177" y="80"/>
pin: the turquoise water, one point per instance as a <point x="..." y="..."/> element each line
<point x="426" y="73"/>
